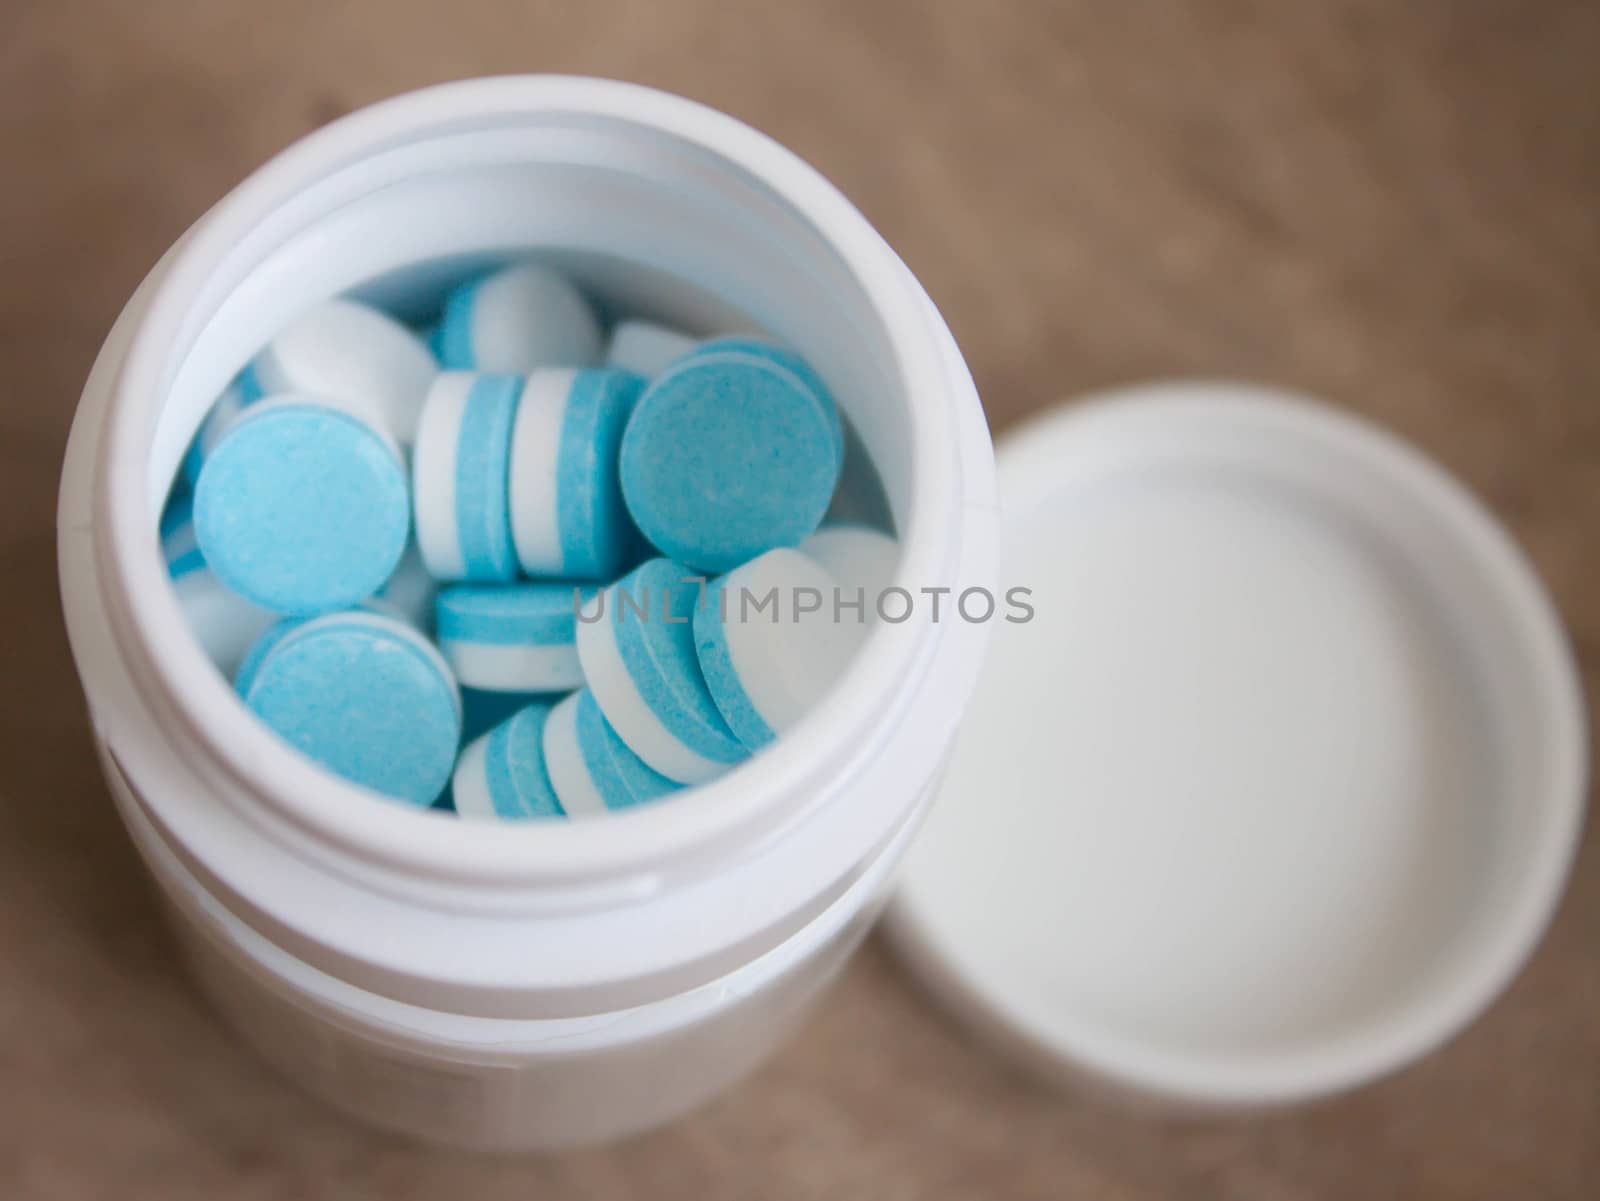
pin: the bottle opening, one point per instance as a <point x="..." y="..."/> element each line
<point x="656" y="208"/>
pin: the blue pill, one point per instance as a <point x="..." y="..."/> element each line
<point x="512" y="637"/>
<point x="365" y="696"/>
<point x="727" y="455"/>
<point x="275" y="632"/>
<point x="568" y="519"/>
<point x="637" y="649"/>
<point x="590" y="767"/>
<point x="790" y="361"/>
<point x="302" y="508"/>
<point x="502" y="774"/>
<point x="461" y="476"/>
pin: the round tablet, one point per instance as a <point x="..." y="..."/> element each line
<point x="646" y="348"/>
<point x="636" y="646"/>
<point x="567" y="515"/>
<point x="516" y="319"/>
<point x="461" y="474"/>
<point x="348" y="351"/>
<point x="512" y="637"/>
<point x="501" y="775"/>
<point x="728" y="455"/>
<point x="301" y="508"/>
<point x="789" y="361"/>
<point x="364" y="695"/>
<point x="591" y="769"/>
<point x="768" y="664"/>
<point x="861" y="561"/>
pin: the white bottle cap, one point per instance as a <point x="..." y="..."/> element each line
<point x="1280" y="784"/>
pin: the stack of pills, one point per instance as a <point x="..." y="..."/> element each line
<point x="524" y="568"/>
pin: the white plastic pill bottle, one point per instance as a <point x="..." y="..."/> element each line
<point x="522" y="986"/>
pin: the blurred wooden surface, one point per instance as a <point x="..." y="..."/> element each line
<point x="1396" y="206"/>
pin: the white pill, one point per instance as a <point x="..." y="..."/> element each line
<point x="516" y="319"/>
<point x="860" y="559"/>
<point x="344" y="350"/>
<point x="591" y="770"/>
<point x="501" y="775"/>
<point x="568" y="519"/>
<point x="646" y="348"/>
<point x="461" y="476"/>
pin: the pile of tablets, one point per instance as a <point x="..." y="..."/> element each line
<point x="522" y="565"/>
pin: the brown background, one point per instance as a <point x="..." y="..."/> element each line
<point x="1395" y="205"/>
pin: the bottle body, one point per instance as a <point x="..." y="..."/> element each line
<point x="523" y="987"/>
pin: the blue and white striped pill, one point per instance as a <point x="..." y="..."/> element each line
<point x="223" y="622"/>
<point x="728" y="454"/>
<point x="461" y="476"/>
<point x="302" y="507"/>
<point x="512" y="637"/>
<point x="179" y="547"/>
<point x="234" y="400"/>
<point x="646" y="348"/>
<point x="769" y="643"/>
<point x="861" y="561"/>
<point x="363" y="694"/>
<point x="591" y="769"/>
<point x="501" y="775"/>
<point x="516" y="319"/>
<point x="636" y="645"/>
<point x="345" y="350"/>
<point x="568" y="519"/>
